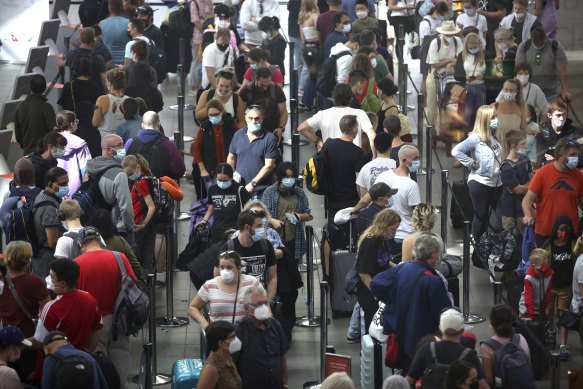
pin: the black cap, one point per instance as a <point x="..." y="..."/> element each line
<point x="88" y="234"/>
<point x="222" y="11"/>
<point x="53" y="336"/>
<point x="145" y="10"/>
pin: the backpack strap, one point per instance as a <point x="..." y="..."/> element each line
<point x="494" y="344"/>
<point x="249" y="91"/>
<point x="433" y="352"/>
<point x="122" y="268"/>
<point x="230" y="244"/>
<point x="17" y="297"/>
<point x="272" y="92"/>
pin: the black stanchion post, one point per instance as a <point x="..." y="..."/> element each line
<point x="497" y="292"/>
<point x="324" y="328"/>
<point x="555" y="370"/>
<point x="420" y="120"/>
<point x="444" y="213"/>
<point x="180" y="105"/>
<point x="311" y="320"/>
<point x="400" y="45"/>
<point x="292" y="47"/>
<point x="296" y="150"/>
<point x="155" y="378"/>
<point x="429" y="164"/>
<point x="469" y="318"/>
<point x="148" y="352"/>
<point x="403" y="69"/>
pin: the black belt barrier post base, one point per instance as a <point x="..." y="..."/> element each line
<point x="469" y="318"/>
<point x="311" y="320"/>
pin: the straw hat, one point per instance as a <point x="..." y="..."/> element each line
<point x="448" y="28"/>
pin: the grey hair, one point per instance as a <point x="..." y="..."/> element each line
<point x="405" y="151"/>
<point x="151" y="120"/>
<point x="427" y="244"/>
<point x="253" y="290"/>
<point x="396" y="382"/>
<point x="107" y="139"/>
<point x="337" y="381"/>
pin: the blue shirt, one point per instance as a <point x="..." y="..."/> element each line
<point x="115" y="37"/>
<point x="251" y="155"/>
<point x="334" y="37"/>
<point x="129" y="129"/>
<point x="48" y="378"/>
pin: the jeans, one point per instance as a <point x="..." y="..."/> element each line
<point x="354" y="331"/>
<point x="484" y="198"/>
<point x="309" y="88"/>
<point x="298" y="57"/>
<point x="195" y="77"/>
<point x="475" y="98"/>
<point x="145" y="247"/>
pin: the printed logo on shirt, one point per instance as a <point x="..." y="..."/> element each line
<point x="482" y="4"/>
<point x="223" y="201"/>
<point x="255" y="266"/>
<point x="375" y="171"/>
<point x="561" y="257"/>
<point x="562" y="184"/>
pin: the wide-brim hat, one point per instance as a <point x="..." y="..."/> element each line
<point x="448" y="28"/>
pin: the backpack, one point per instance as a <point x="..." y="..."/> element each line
<point x="108" y="370"/>
<point x="162" y="200"/>
<point x="75" y="248"/>
<point x="179" y="23"/>
<point x="371" y="102"/>
<point x="89" y="196"/>
<point x="72" y="371"/>
<point x="511" y="364"/>
<point x="157" y="60"/>
<point x="327" y="78"/>
<point x="314" y="173"/>
<point x="132" y="307"/>
<point x="155" y="153"/>
<point x="20" y="221"/>
<point x="424" y="50"/>
<point x="436" y="373"/>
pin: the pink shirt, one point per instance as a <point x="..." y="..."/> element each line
<point x="487" y="351"/>
<point x="200" y="10"/>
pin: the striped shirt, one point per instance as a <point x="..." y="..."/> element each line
<point x="220" y="303"/>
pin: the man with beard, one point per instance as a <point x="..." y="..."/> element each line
<point x="215" y="56"/>
<point x="151" y="31"/>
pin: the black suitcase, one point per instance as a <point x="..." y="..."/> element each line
<point x="514" y="288"/>
<point x="453" y="286"/>
<point x="533" y="330"/>
<point x="342" y="303"/>
<point x="464" y="210"/>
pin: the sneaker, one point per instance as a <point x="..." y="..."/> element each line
<point x="352" y="340"/>
<point x="564" y="354"/>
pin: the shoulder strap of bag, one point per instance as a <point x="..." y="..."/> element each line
<point x="405" y="314"/>
<point x="236" y="298"/>
<point x="230" y="244"/>
<point x="16" y="296"/>
<point x="122" y="268"/>
<point x="239" y="195"/>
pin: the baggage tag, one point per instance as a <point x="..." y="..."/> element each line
<point x="237" y="177"/>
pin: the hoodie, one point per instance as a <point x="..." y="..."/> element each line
<point x="536" y="295"/>
<point x="175" y="167"/>
<point x="75" y="160"/>
<point x="41" y="167"/>
<point x="115" y="190"/>
<point x="342" y="63"/>
<point x="562" y="257"/>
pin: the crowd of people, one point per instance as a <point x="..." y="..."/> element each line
<point x="492" y="70"/>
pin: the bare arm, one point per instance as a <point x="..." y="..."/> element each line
<point x="232" y="160"/>
<point x="307" y="132"/>
<point x="201" y="112"/>
<point x="527" y="203"/>
<point x="366" y="278"/>
<point x="361" y="190"/>
<point x="102" y="108"/>
<point x="210" y="73"/>
<point x="371" y="133"/>
<point x="488" y="370"/>
<point x="363" y="203"/>
<point x="271" y="282"/>
<point x="93" y="341"/>
<point x="195" y="311"/>
<point x="209" y="377"/>
<point x="52" y="236"/>
<point x="265" y="170"/>
<point x="149" y="215"/>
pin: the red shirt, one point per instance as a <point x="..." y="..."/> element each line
<point x="140" y="189"/>
<point x="75" y="313"/>
<point x="31" y="290"/>
<point x="220" y="156"/>
<point x="100" y="276"/>
<point x="325" y="25"/>
<point x="277" y="76"/>
<point x="557" y="195"/>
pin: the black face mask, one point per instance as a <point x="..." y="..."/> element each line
<point x="129" y="34"/>
<point x="222" y="47"/>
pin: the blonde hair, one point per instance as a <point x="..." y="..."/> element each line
<point x="338" y="380"/>
<point x="539" y="257"/>
<point x="132" y="161"/>
<point x="257" y="204"/>
<point x="307" y="9"/>
<point x="383" y="220"/>
<point x="482" y="123"/>
<point x="474" y="39"/>
<point x="424" y="217"/>
<point x="71" y="209"/>
<point x="18" y="253"/>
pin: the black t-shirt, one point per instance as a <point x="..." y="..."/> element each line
<point x="226" y="206"/>
<point x="255" y="259"/>
<point x="373" y="256"/>
<point x="562" y="264"/>
<point x="343" y="160"/>
<point x="492" y="23"/>
<point x="513" y="174"/>
<point x="366" y="216"/>
<point x="447" y="352"/>
<point x="76" y="91"/>
<point x="276" y="48"/>
<point x="153" y="33"/>
<point x="96" y="60"/>
<point x="264" y="99"/>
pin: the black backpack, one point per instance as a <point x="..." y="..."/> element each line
<point x="327" y="77"/>
<point x="89" y="196"/>
<point x="108" y="370"/>
<point x="554" y="46"/>
<point x="20" y="219"/>
<point x="179" y="23"/>
<point x="76" y="248"/>
<point x="155" y="153"/>
<point x="72" y="371"/>
<point x="511" y="364"/>
<point x="436" y="373"/>
<point x="162" y="200"/>
<point x="157" y="60"/>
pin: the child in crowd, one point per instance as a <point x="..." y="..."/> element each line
<point x="560" y="246"/>
<point x="515" y="173"/>
<point x="533" y="126"/>
<point x="537" y="286"/>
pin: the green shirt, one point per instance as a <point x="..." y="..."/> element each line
<point x="287" y="204"/>
<point x="381" y="70"/>
<point x="361" y="25"/>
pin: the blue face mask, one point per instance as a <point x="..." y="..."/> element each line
<point x="120" y="155"/>
<point x="215" y="119"/>
<point x="494" y="124"/>
<point x="469" y="11"/>
<point x="259" y="234"/>
<point x="224" y="184"/>
<point x="521" y="151"/>
<point x="253" y="66"/>
<point x="254" y="127"/>
<point x="572" y="162"/>
<point x="346" y="28"/>
<point x="391" y="202"/>
<point x="135" y="176"/>
<point x="63" y="191"/>
<point x="288" y="182"/>
<point x="415" y="165"/>
<point x="474" y="51"/>
<point x="60" y="153"/>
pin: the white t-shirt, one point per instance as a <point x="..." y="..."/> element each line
<point x="472" y="68"/>
<point x="328" y="121"/>
<point x="478" y="21"/>
<point x="427" y="27"/>
<point x="434" y="56"/>
<point x="212" y="57"/>
<point x="128" y="51"/>
<point x="404" y="12"/>
<point x="370" y="172"/>
<point x="407" y="196"/>
<point x="64" y="247"/>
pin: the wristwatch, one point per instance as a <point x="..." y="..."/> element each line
<point x="253" y="184"/>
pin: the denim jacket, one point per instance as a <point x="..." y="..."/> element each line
<point x="480" y="151"/>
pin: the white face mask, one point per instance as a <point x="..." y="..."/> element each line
<point x="373" y="62"/>
<point x="49" y="283"/>
<point x="235" y="345"/>
<point x="361" y="14"/>
<point x="447" y="39"/>
<point x="264" y="35"/>
<point x="227" y="275"/>
<point x="262" y="312"/>
<point x="523" y="79"/>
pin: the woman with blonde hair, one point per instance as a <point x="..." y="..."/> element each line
<point x="469" y="70"/>
<point x="338" y="380"/>
<point x="423" y="219"/>
<point x="310" y="38"/>
<point x="481" y="152"/>
<point x="373" y="256"/>
<point x="510" y="112"/>
<point x="108" y="114"/>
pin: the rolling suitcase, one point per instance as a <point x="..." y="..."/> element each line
<point x="373" y="371"/>
<point x="464" y="210"/>
<point x="341" y="262"/>
<point x="186" y="373"/>
<point x="535" y="332"/>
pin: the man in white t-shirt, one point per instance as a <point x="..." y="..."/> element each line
<point x="343" y="62"/>
<point x="328" y="121"/>
<point x="407" y="196"/>
<point x="135" y="31"/>
<point x="215" y="56"/>
<point x="383" y="162"/>
<point x="471" y="18"/>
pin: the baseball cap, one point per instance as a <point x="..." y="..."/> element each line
<point x="53" y="336"/>
<point x="145" y="10"/>
<point x="222" y="10"/>
<point x="10" y="335"/>
<point x="451" y="319"/>
<point x="344" y="216"/>
<point x="88" y="234"/>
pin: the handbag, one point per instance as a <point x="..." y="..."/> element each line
<point x="570" y="320"/>
<point x="458" y="94"/>
<point x="351" y="280"/>
<point x="498" y="250"/>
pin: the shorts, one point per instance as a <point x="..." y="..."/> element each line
<point x="563" y="298"/>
